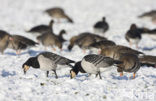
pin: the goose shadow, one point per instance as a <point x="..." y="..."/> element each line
<point x="119" y="78"/>
<point x="148" y="48"/>
<point x="30" y="52"/>
<point x="6" y="73"/>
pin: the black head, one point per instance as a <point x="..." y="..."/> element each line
<point x="133" y="26"/>
<point x="70" y="47"/>
<point x="74" y="71"/>
<point x="31" y="62"/>
<point x="104" y="19"/>
<point x="62" y="32"/>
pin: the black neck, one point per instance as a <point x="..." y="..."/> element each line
<point x="33" y="62"/>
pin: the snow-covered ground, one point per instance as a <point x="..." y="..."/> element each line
<point x="17" y="16"/>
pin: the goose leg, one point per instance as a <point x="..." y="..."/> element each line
<point x="121" y="74"/>
<point x="55" y="74"/>
<point x="96" y="75"/>
<point x="133" y="75"/>
<point x="18" y="52"/>
<point x="47" y="73"/>
<point x="99" y="75"/>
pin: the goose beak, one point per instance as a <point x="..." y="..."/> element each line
<point x="72" y="74"/>
<point x="25" y="68"/>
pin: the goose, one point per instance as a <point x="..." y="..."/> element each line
<point x="101" y="26"/>
<point x="93" y="64"/>
<point x="114" y="51"/>
<point x="41" y="29"/>
<point x="133" y="36"/>
<point x="98" y="46"/>
<point x="148" y="60"/>
<point x="150" y="14"/>
<point x="50" y="39"/>
<point x="58" y="13"/>
<point x="130" y="63"/>
<point x="5" y="37"/>
<point x="46" y="61"/>
<point x="20" y="43"/>
<point x="83" y="40"/>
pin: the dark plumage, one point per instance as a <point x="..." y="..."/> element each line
<point x="83" y="40"/>
<point x="133" y="36"/>
<point x="101" y="26"/>
<point x="5" y="37"/>
<point x="101" y="44"/>
<point x="58" y="13"/>
<point x="41" y="29"/>
<point x="148" y="60"/>
<point x="151" y="14"/>
<point x="50" y="39"/>
<point x="114" y="51"/>
<point x="130" y="63"/>
<point x="93" y="64"/>
<point x="20" y="42"/>
<point x="46" y="61"/>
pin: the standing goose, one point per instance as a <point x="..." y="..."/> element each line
<point x="130" y="63"/>
<point x="41" y="29"/>
<point x="58" y="13"/>
<point x="101" y="26"/>
<point x="114" y="51"/>
<point x="148" y="60"/>
<point x="101" y="44"/>
<point x="5" y="37"/>
<point x="46" y="61"/>
<point x="85" y="39"/>
<point x="94" y="64"/>
<point x="151" y="14"/>
<point x="20" y="42"/>
<point x="133" y="36"/>
<point x="50" y="39"/>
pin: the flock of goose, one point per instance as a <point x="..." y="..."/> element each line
<point x="108" y="53"/>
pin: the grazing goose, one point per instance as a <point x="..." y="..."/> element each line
<point x="130" y="63"/>
<point x="94" y="64"/>
<point x="101" y="44"/>
<point x="41" y="29"/>
<point x="20" y="42"/>
<point x="46" y="61"/>
<point x="76" y="69"/>
<point x="101" y="26"/>
<point x="133" y="36"/>
<point x="151" y="14"/>
<point x="5" y="37"/>
<point x="148" y="60"/>
<point x="50" y="39"/>
<point x="85" y="39"/>
<point x="114" y="51"/>
<point x="58" y="13"/>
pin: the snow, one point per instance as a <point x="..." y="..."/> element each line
<point x="17" y="16"/>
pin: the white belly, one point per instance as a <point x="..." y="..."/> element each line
<point x="134" y="41"/>
<point x="89" y="67"/>
<point x="46" y="64"/>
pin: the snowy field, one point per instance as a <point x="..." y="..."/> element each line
<point x="17" y="16"/>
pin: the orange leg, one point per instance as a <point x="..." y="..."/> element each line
<point x="84" y="51"/>
<point x="121" y="74"/>
<point x="18" y="52"/>
<point x="54" y="49"/>
<point x="133" y="75"/>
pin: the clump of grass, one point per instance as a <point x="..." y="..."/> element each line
<point x="104" y="97"/>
